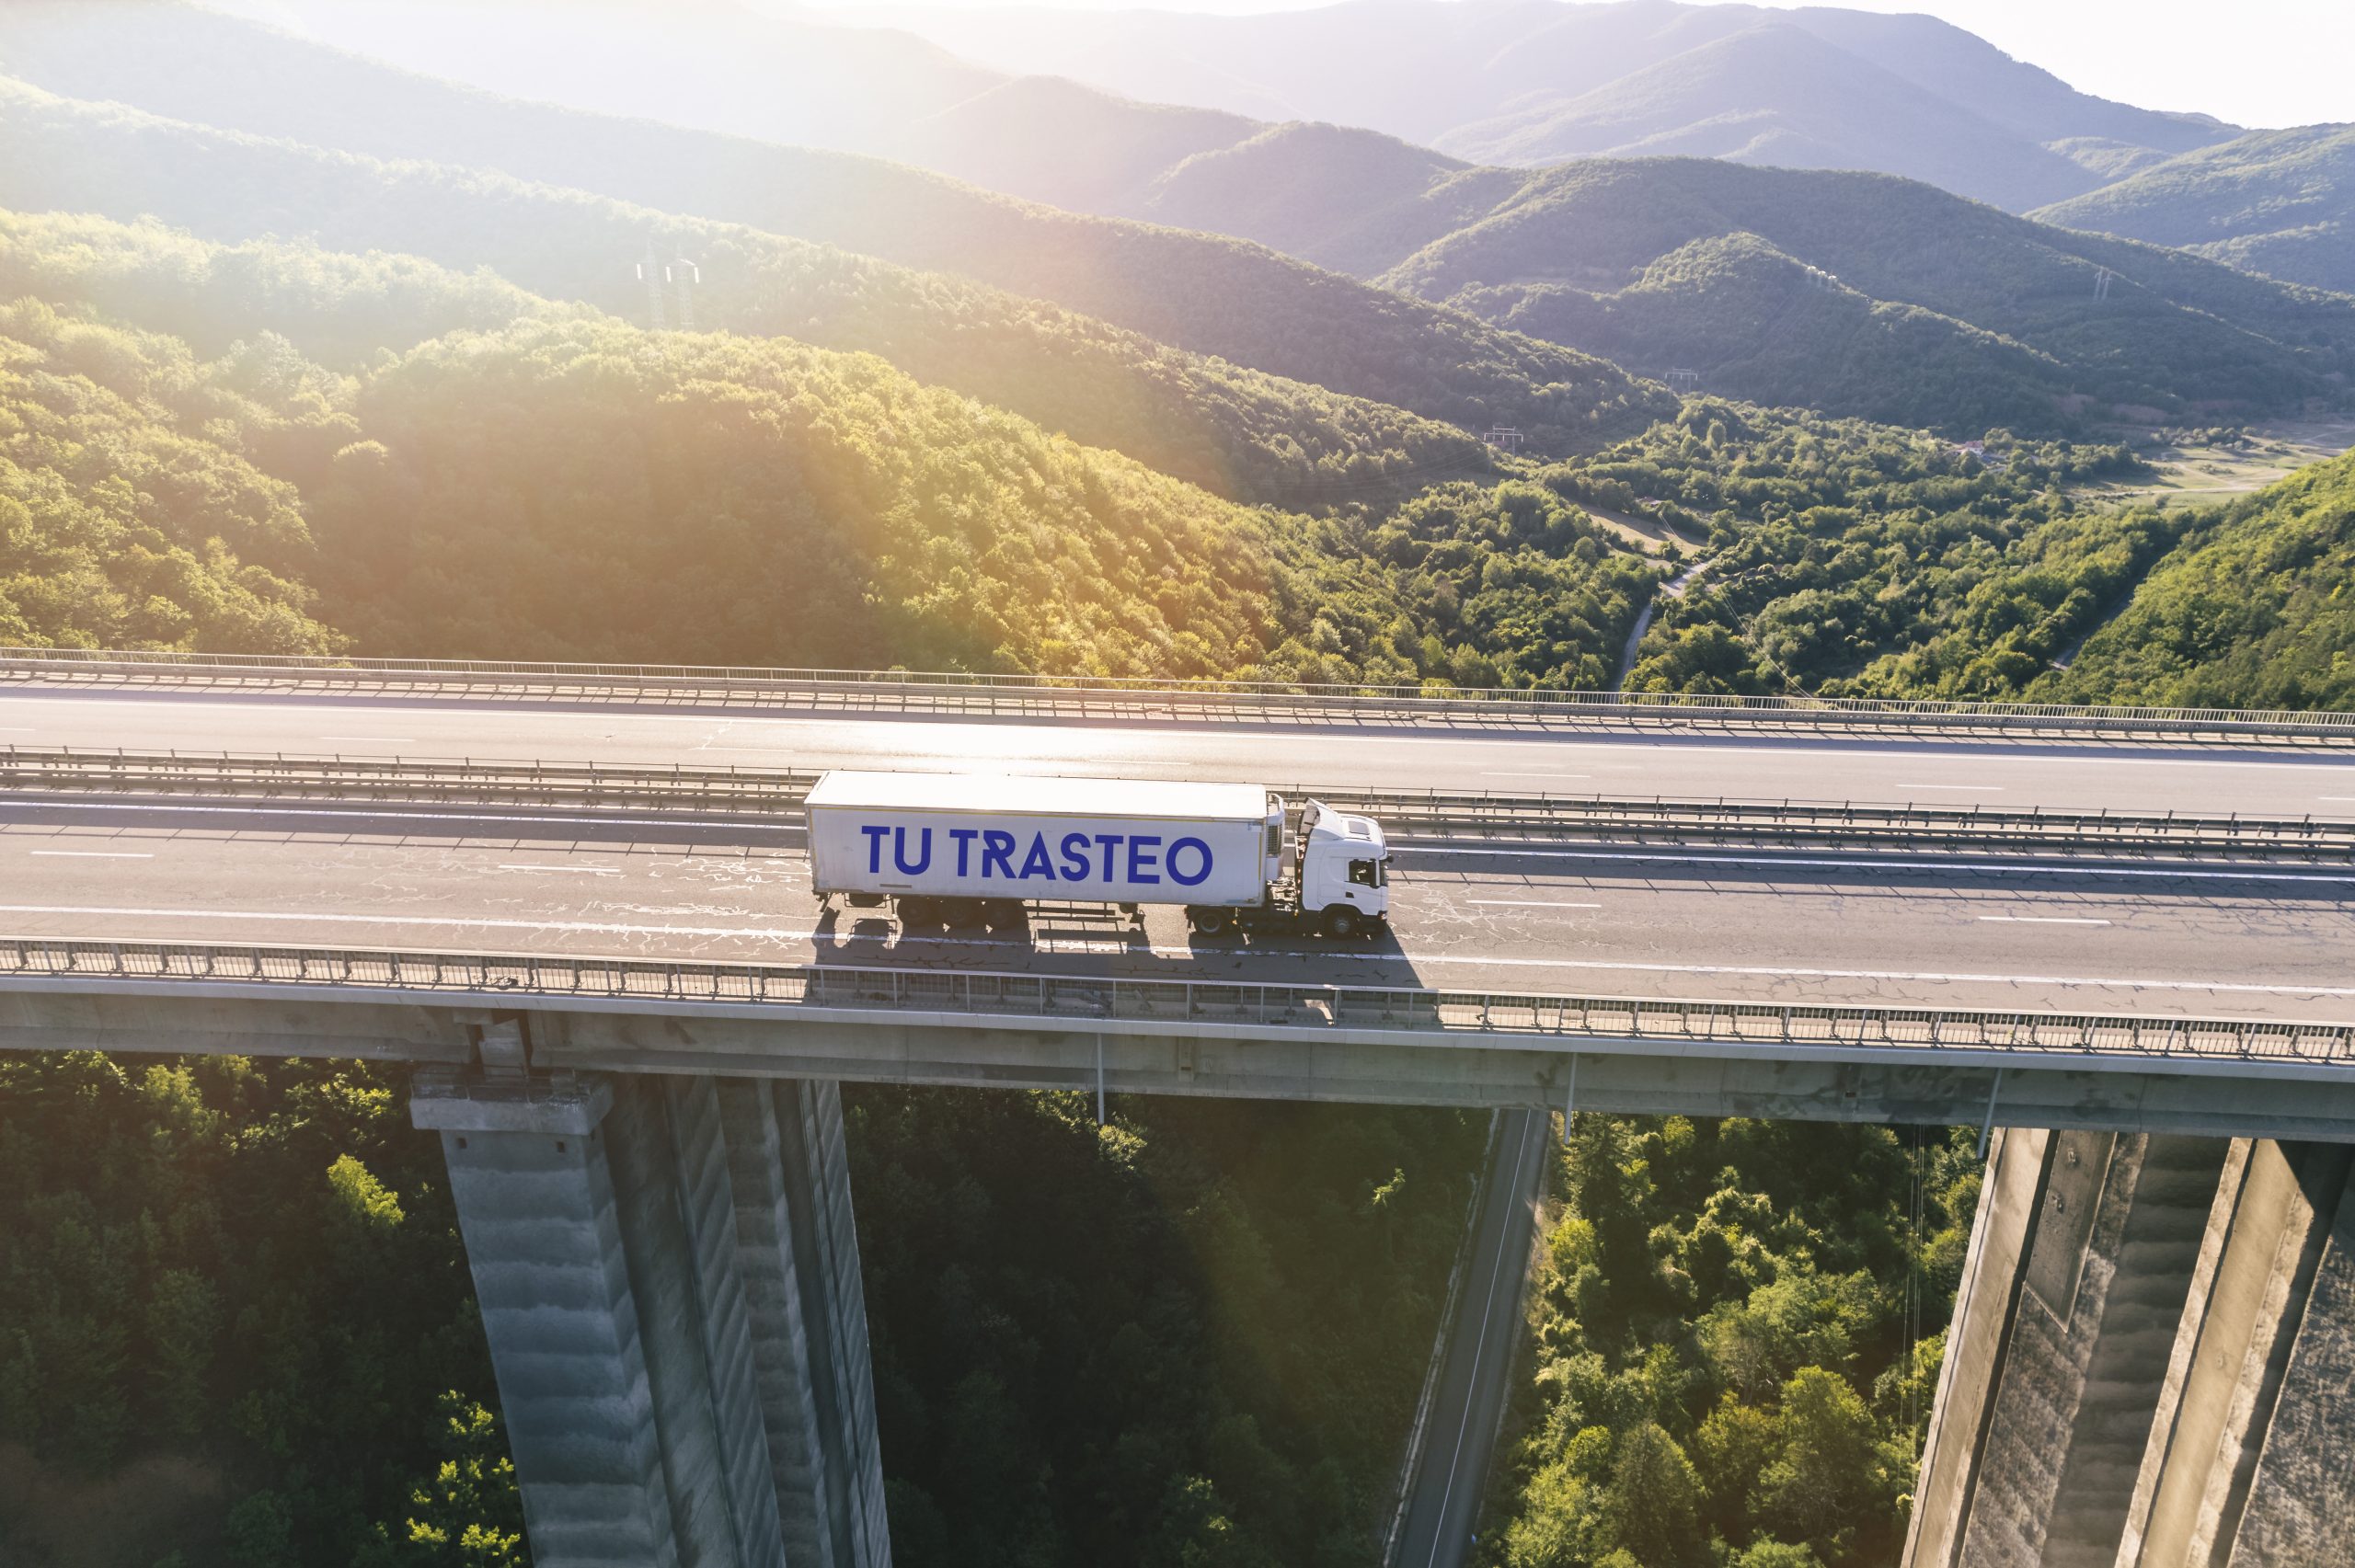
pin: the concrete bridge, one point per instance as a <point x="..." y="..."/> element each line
<point x="642" y="1117"/>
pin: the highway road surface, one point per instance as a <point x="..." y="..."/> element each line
<point x="1504" y="916"/>
<point x="1637" y="762"/>
<point x="1444" y="1495"/>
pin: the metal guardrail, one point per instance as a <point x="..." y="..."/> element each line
<point x="384" y="779"/>
<point x="1784" y="823"/>
<point x="968" y="692"/>
<point x="1085" y="1002"/>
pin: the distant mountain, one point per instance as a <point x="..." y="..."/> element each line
<point x="1534" y="81"/>
<point x="1775" y="304"/>
<point x="1207" y="295"/>
<point x="1349" y="200"/>
<point x="1778" y="94"/>
<point x="807" y="79"/>
<point x="2280" y="202"/>
<point x="1853" y="293"/>
<point x="714" y="64"/>
<point x="1937" y="312"/>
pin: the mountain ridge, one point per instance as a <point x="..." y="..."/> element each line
<point x="1426" y="73"/>
<point x="2280" y="202"/>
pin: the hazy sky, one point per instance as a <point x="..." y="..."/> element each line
<point x="2252" y="61"/>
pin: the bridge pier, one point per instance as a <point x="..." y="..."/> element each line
<point x="668" y="1273"/>
<point x="2151" y="1360"/>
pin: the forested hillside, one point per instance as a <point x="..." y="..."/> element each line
<point x="132" y="513"/>
<point x="1737" y="1337"/>
<point x="905" y="523"/>
<point x="1759" y="322"/>
<point x="1210" y="295"/>
<point x="1843" y="552"/>
<point x="255" y="1266"/>
<point x="2167" y="331"/>
<point x="2254" y="608"/>
<point x="2280" y="202"/>
<point x="1214" y="423"/>
<point x="1848" y="561"/>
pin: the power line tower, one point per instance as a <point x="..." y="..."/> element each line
<point x="2102" y="275"/>
<point x="670" y="288"/>
<point x="1503" y="438"/>
<point x="652" y="276"/>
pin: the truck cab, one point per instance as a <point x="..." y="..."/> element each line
<point x="1343" y="871"/>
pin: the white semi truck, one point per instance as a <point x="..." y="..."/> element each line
<point x="965" y="851"/>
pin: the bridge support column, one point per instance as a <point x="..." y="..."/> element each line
<point x="2059" y="1350"/>
<point x="668" y="1274"/>
<point x="2151" y="1361"/>
<point x="2251" y="1463"/>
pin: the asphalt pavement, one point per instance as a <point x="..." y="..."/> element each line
<point x="1459" y="1437"/>
<point x="1501" y="915"/>
<point x="1626" y="760"/>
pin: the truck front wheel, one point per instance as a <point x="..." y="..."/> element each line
<point x="1342" y="923"/>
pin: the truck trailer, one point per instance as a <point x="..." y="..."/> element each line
<point x="964" y="851"/>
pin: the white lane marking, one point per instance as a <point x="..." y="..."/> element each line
<point x="575" y="870"/>
<point x="100" y="854"/>
<point x="375" y="739"/>
<point x="1517" y="774"/>
<point x="1531" y="904"/>
<point x="1969" y="789"/>
<point x="2343" y="797"/>
<point x="779" y="933"/>
<point x="2043" y="919"/>
<point x="2035" y="869"/>
<point x="16" y="728"/>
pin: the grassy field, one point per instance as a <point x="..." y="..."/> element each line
<point x="2196" y="467"/>
<point x="1649" y="534"/>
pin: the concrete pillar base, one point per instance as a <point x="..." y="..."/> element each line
<point x="2151" y="1362"/>
<point x="668" y="1274"/>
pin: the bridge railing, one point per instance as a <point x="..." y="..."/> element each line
<point x="1658" y="819"/>
<point x="984" y="691"/>
<point x="1083" y="1001"/>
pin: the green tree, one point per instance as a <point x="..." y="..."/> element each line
<point x="470" y="1515"/>
<point x="1827" y="1483"/>
<point x="1654" y="1499"/>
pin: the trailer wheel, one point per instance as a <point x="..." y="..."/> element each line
<point x="919" y="914"/>
<point x="1003" y="914"/>
<point x="1341" y="922"/>
<point x="960" y="914"/>
<point x="1211" y="922"/>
